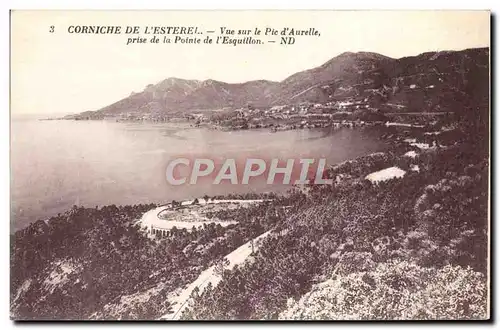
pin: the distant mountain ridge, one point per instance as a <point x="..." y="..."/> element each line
<point x="432" y="81"/>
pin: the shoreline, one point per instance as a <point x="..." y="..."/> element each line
<point x="393" y="143"/>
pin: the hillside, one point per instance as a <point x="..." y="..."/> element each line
<point x="400" y="234"/>
<point x="429" y="82"/>
<point x="410" y="245"/>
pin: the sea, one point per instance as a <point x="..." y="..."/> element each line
<point x="56" y="164"/>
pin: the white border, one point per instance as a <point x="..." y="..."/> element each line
<point x="185" y="4"/>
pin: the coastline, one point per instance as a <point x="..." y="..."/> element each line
<point x="403" y="166"/>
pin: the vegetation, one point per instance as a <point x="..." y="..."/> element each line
<point x="109" y="257"/>
<point x="405" y="248"/>
<point x="409" y="248"/>
<point x="395" y="290"/>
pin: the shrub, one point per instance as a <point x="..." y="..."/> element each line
<point x="395" y="290"/>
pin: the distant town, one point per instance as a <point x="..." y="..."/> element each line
<point x="351" y="112"/>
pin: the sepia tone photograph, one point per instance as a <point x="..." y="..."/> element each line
<point x="250" y="165"/>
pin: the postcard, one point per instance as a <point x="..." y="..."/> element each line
<point x="250" y="165"/>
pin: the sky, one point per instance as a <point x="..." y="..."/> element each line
<point x="60" y="72"/>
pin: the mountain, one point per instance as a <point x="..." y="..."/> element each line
<point x="432" y="81"/>
<point x="327" y="81"/>
<point x="174" y="94"/>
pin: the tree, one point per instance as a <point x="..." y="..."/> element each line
<point x="220" y="266"/>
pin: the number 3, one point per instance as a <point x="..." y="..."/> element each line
<point x="51" y="29"/>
